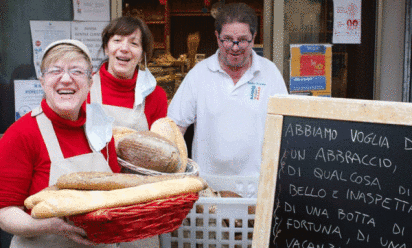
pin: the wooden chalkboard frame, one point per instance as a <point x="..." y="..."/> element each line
<point x="368" y="111"/>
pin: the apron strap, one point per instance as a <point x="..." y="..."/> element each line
<point x="35" y="112"/>
<point x="50" y="138"/>
<point x="96" y="90"/>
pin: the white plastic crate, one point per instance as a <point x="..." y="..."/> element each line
<point x="218" y="222"/>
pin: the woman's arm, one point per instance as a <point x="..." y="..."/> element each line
<point x="15" y="221"/>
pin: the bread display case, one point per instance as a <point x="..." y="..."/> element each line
<point x="169" y="72"/>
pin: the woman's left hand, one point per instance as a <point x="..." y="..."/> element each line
<point x="17" y="222"/>
<point x="61" y="227"/>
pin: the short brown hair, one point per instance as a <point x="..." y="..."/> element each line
<point x="236" y="12"/>
<point x="127" y="25"/>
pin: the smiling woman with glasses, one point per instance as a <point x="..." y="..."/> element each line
<point x="66" y="79"/>
<point x="48" y="142"/>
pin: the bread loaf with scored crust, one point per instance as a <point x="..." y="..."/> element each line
<point x="66" y="202"/>
<point x="119" y="132"/>
<point x="167" y="128"/>
<point x="149" y="150"/>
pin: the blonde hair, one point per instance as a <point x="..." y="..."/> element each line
<point x="64" y="52"/>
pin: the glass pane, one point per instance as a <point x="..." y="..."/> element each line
<point x="310" y="22"/>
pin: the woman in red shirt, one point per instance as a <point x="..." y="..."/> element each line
<point x="124" y="85"/>
<point x="51" y="141"/>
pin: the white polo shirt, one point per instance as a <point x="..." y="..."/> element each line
<point x="229" y="119"/>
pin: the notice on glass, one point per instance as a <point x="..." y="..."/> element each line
<point x="43" y="33"/>
<point x="90" y="34"/>
<point x="27" y="96"/>
<point x="91" y="10"/>
<point x="347" y="21"/>
<point x="311" y="69"/>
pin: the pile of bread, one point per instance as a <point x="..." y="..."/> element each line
<point x="161" y="149"/>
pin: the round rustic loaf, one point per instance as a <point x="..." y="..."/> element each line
<point x="151" y="151"/>
<point x="119" y="132"/>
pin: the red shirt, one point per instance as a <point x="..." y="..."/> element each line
<point x="25" y="162"/>
<point x="120" y="93"/>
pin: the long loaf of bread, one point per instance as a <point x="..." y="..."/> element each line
<point x="92" y="180"/>
<point x="167" y="128"/>
<point x="47" y="204"/>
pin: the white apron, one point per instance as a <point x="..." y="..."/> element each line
<point x="94" y="161"/>
<point x="132" y="118"/>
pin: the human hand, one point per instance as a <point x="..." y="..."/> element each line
<point x="14" y="220"/>
<point x="60" y="227"/>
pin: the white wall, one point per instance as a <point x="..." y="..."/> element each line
<point x="393" y="32"/>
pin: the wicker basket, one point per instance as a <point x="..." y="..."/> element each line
<point x="129" y="223"/>
<point x="191" y="169"/>
<point x="140" y="221"/>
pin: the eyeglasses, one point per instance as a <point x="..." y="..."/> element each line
<point x="75" y="73"/>
<point x="242" y="43"/>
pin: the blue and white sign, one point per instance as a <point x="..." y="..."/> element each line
<point x="307" y="83"/>
<point x="27" y="96"/>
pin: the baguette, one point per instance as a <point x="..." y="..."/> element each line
<point x="149" y="150"/>
<point x="46" y="193"/>
<point x="167" y="128"/>
<point x="107" y="180"/>
<point x="66" y="202"/>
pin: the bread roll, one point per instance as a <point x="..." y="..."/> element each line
<point x="230" y="194"/>
<point x="150" y="150"/>
<point x="167" y="128"/>
<point x="66" y="202"/>
<point x="108" y="180"/>
<point x="209" y="192"/>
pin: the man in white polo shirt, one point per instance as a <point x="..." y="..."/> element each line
<point x="226" y="97"/>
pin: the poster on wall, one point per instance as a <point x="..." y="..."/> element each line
<point x="27" y="96"/>
<point x="46" y="32"/>
<point x="311" y="69"/>
<point x="42" y="34"/>
<point x="347" y="21"/>
<point x="91" y="10"/>
<point x="90" y="34"/>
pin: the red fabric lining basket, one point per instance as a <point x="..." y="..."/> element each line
<point x="129" y="223"/>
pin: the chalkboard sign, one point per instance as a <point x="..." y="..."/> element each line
<point x="335" y="173"/>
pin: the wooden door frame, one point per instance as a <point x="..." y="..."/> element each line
<point x="378" y="49"/>
<point x="273" y="25"/>
<point x="406" y="85"/>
